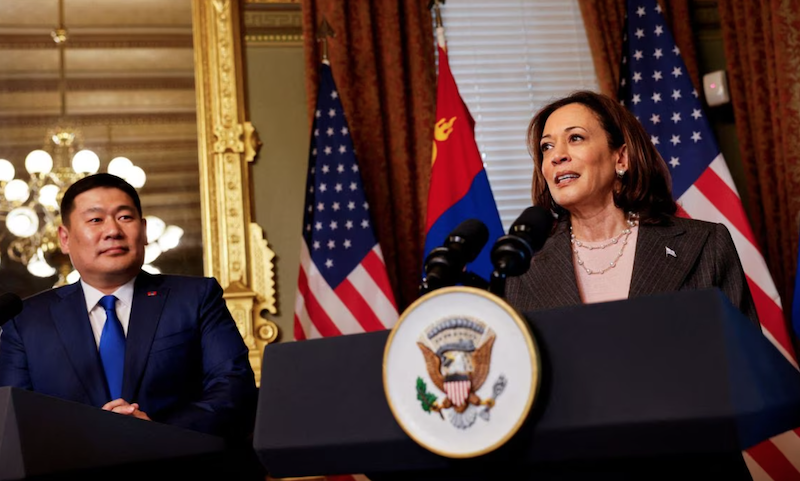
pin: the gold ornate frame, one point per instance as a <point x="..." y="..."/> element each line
<point x="234" y="249"/>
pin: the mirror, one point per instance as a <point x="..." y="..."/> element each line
<point x="119" y="81"/>
<point x="161" y="83"/>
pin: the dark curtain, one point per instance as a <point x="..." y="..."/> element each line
<point x="762" y="46"/>
<point x="383" y="63"/>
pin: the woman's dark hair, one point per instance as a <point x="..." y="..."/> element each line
<point x="101" y="180"/>
<point x="646" y="188"/>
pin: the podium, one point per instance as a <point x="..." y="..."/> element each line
<point x="42" y="437"/>
<point x="671" y="386"/>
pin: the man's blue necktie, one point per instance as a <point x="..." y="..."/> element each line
<point x="112" y="348"/>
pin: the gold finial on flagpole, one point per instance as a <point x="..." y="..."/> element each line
<point x="434" y="4"/>
<point x="323" y="32"/>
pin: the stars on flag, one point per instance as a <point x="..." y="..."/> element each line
<point x="337" y="231"/>
<point x="657" y="90"/>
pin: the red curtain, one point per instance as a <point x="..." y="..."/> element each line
<point x="383" y="63"/>
<point x="762" y="46"/>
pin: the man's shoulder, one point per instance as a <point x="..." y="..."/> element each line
<point x="49" y="296"/>
<point x="175" y="282"/>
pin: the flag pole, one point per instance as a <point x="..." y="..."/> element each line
<point x="323" y="32"/>
<point x="437" y="12"/>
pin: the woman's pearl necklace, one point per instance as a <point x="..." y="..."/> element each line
<point x="622" y="239"/>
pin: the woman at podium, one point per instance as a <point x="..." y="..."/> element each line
<point x="619" y="233"/>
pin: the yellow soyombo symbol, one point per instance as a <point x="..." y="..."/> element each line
<point x="441" y="132"/>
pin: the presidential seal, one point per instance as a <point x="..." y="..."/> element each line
<point x="448" y="360"/>
<point x="458" y="354"/>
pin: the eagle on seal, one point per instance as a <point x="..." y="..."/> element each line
<point x="458" y="355"/>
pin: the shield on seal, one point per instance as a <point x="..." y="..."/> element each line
<point x="457" y="391"/>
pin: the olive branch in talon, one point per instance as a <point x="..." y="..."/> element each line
<point x="427" y="399"/>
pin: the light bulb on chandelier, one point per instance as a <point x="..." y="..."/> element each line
<point x="6" y="170"/>
<point x="38" y="162"/>
<point x="86" y="162"/>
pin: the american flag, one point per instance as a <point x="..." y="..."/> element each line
<point x="655" y="86"/>
<point x="342" y="287"/>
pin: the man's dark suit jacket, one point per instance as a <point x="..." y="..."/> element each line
<point x="705" y="257"/>
<point x="185" y="361"/>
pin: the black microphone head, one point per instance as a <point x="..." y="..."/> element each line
<point x="444" y="265"/>
<point x="511" y="254"/>
<point x="468" y="239"/>
<point x="533" y="225"/>
<point x="10" y="306"/>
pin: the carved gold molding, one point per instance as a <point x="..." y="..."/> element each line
<point x="273" y="23"/>
<point x="234" y="250"/>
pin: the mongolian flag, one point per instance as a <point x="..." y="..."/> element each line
<point x="459" y="186"/>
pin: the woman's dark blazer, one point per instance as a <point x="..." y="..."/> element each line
<point x="705" y="257"/>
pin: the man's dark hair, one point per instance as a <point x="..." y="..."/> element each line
<point x="102" y="180"/>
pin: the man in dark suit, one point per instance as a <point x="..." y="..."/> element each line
<point x="161" y="348"/>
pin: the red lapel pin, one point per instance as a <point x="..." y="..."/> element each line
<point x="151" y="293"/>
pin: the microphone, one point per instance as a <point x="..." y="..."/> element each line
<point x="10" y="306"/>
<point x="444" y="265"/>
<point x="511" y="254"/>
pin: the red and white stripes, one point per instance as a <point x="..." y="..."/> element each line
<point x="363" y="302"/>
<point x="714" y="197"/>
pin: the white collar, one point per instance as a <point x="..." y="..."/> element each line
<point x="123" y="294"/>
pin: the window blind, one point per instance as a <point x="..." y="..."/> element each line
<point x="509" y="58"/>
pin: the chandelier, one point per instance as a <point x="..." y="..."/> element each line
<point x="30" y="208"/>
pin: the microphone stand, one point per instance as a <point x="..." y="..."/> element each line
<point x="497" y="283"/>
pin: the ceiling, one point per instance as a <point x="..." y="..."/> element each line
<point x="129" y="70"/>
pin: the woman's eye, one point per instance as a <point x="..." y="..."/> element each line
<point x="545" y="147"/>
<point x="575" y="137"/>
